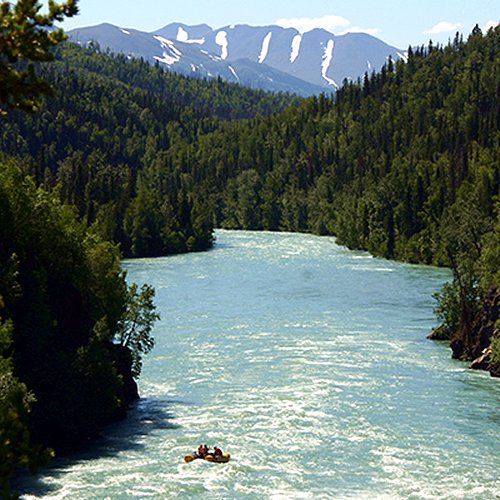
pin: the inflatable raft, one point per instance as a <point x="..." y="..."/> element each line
<point x="220" y="459"/>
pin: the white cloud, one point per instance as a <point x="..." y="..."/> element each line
<point x="334" y="24"/>
<point x="490" y="24"/>
<point x="304" y="24"/>
<point x="444" y="27"/>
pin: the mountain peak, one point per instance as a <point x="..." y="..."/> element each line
<point x="302" y="63"/>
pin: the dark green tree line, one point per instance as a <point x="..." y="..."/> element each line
<point x="72" y="332"/>
<point x="103" y="141"/>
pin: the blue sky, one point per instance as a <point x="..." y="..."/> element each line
<point x="397" y="22"/>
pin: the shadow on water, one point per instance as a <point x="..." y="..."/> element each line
<point x="145" y="417"/>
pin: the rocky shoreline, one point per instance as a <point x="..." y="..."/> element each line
<point x="474" y="343"/>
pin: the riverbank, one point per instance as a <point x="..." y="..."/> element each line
<point x="474" y="343"/>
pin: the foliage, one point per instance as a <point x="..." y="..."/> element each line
<point x="462" y="228"/>
<point x="26" y="35"/>
<point x="447" y="311"/>
<point x="488" y="265"/>
<point x="134" y="329"/>
<point x="63" y="296"/>
<point x="473" y="246"/>
<point x="66" y="298"/>
<point x="16" y="449"/>
<point x="495" y="349"/>
<point x="104" y="140"/>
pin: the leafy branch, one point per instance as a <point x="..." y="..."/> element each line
<point x="26" y="37"/>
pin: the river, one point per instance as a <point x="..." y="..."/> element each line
<point x="309" y="364"/>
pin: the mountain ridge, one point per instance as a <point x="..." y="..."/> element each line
<point x="273" y="58"/>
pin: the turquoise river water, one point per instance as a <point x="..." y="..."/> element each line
<point x="309" y="364"/>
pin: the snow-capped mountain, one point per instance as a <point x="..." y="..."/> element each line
<point x="269" y="57"/>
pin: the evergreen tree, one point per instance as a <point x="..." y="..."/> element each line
<point x="26" y="36"/>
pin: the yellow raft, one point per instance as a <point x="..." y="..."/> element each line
<point x="220" y="459"/>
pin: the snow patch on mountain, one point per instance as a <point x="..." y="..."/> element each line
<point x="183" y="36"/>
<point x="222" y="41"/>
<point x="171" y="55"/>
<point x="327" y="60"/>
<point x="125" y="32"/>
<point x="297" y="40"/>
<point x="265" y="47"/>
<point x="167" y="59"/>
<point x="234" y="72"/>
<point x="168" y="44"/>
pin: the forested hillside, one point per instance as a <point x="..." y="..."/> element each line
<point x="110" y="119"/>
<point x="72" y="331"/>
<point x="380" y="168"/>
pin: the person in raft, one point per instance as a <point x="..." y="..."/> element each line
<point x="202" y="450"/>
